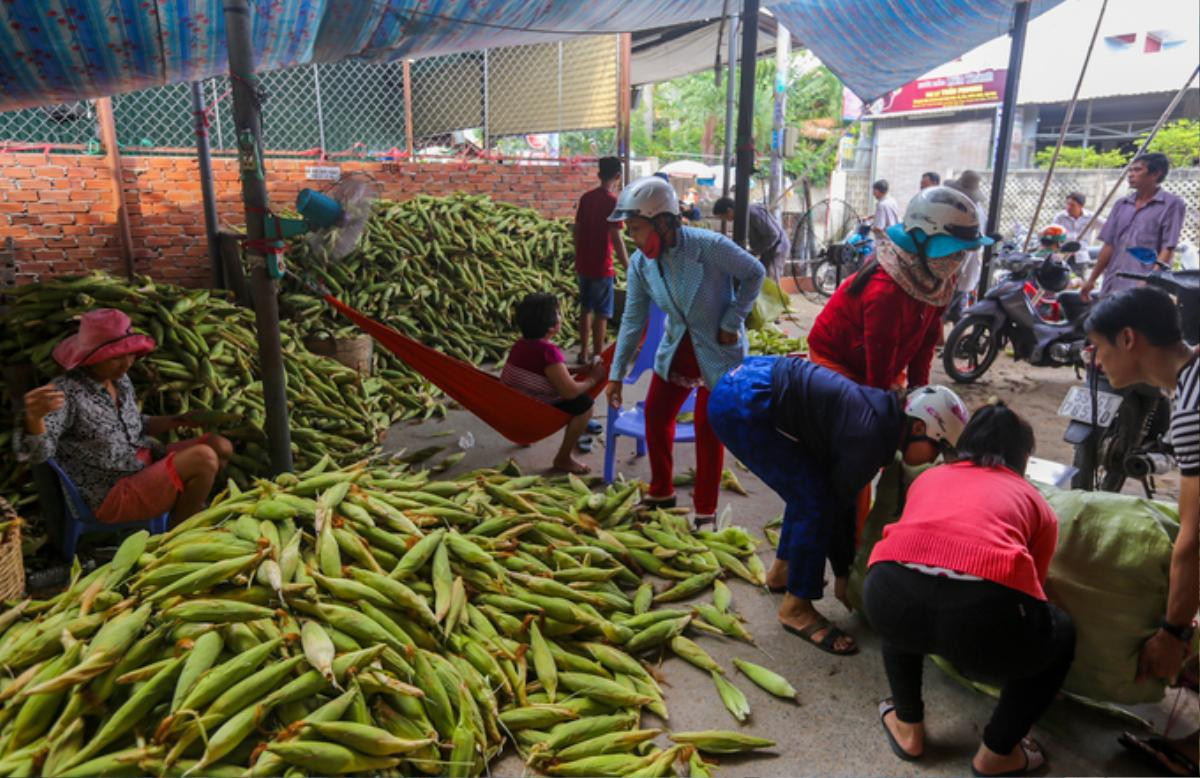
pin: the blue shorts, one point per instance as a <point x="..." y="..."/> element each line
<point x="596" y="296"/>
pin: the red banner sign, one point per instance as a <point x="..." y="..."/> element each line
<point x="966" y="90"/>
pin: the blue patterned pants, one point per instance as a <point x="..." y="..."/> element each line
<point x="739" y="410"/>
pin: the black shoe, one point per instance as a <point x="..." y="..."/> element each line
<point x="654" y="503"/>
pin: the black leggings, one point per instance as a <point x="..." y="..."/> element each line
<point x="987" y="631"/>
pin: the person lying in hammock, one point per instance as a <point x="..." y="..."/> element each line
<point x="538" y="368"/>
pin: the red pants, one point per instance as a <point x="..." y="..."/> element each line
<point x="663" y="402"/>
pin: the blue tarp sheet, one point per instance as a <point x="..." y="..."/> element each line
<point x="875" y="46"/>
<point x="58" y="50"/>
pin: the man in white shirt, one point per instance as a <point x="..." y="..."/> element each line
<point x="1073" y="219"/>
<point x="887" y="211"/>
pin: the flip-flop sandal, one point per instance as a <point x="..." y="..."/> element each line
<point x="698" y="522"/>
<point x="826" y="644"/>
<point x="594" y="427"/>
<point x="1034" y="760"/>
<point x="1157" y="752"/>
<point x="885" y="708"/>
<point x="584" y="446"/>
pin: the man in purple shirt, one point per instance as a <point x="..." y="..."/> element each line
<point x="1147" y="217"/>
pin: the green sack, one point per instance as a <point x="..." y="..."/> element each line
<point x="892" y="485"/>
<point x="770" y="305"/>
<point x="1110" y="572"/>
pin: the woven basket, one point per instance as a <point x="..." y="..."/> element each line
<point x="353" y="352"/>
<point x="12" y="563"/>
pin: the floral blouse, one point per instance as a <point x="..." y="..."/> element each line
<point x="95" y="441"/>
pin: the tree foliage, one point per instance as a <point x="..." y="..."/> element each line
<point x="689" y="117"/>
<point x="1077" y="157"/>
<point x="1179" y="140"/>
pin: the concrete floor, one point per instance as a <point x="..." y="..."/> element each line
<point x="834" y="730"/>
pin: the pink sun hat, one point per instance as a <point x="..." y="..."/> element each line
<point x="103" y="334"/>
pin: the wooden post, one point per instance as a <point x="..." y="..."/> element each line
<point x="112" y="158"/>
<point x="624" y="107"/>
<point x="745" y="123"/>
<point x="408" y="120"/>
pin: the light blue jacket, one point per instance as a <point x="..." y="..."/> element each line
<point x="705" y="283"/>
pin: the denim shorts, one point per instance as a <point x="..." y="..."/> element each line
<point x="596" y="296"/>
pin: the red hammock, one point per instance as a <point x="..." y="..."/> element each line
<point x="515" y="415"/>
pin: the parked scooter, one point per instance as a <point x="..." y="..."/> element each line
<point x="1013" y="311"/>
<point x="1132" y="422"/>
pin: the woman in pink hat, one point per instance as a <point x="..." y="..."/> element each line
<point x="88" y="419"/>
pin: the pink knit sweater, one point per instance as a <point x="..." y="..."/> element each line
<point x="984" y="521"/>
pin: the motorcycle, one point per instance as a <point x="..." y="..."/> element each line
<point x="841" y="260"/>
<point x="1043" y="331"/>
<point x="1126" y="441"/>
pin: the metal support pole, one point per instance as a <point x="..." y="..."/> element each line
<point x="216" y="104"/>
<point x="730" y="94"/>
<point x="247" y="122"/>
<point x="558" y="118"/>
<point x="408" y="119"/>
<point x="783" y="61"/>
<point x="1012" y="80"/>
<point x="320" y="116"/>
<point x="112" y="158"/>
<point x="745" y="125"/>
<point x="624" y="106"/>
<point x="487" y="96"/>
<point x="207" y="192"/>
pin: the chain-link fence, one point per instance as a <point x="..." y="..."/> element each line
<point x="458" y="103"/>
<point x="1024" y="186"/>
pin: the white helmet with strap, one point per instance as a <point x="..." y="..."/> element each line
<point x="944" y="413"/>
<point x="647" y="197"/>
<point x="947" y="220"/>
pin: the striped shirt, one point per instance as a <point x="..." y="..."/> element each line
<point x="1185" y="418"/>
<point x="525" y="368"/>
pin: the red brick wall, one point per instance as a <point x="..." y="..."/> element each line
<point x="60" y="210"/>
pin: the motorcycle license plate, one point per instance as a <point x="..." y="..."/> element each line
<point x="1077" y="405"/>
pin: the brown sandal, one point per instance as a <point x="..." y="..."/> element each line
<point x="826" y="643"/>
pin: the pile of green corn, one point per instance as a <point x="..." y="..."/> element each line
<point x="774" y="341"/>
<point x="446" y="270"/>
<point x="207" y="359"/>
<point x="367" y="620"/>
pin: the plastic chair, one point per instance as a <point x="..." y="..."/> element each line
<point x="78" y="519"/>
<point x="656" y="324"/>
<point x="632" y="423"/>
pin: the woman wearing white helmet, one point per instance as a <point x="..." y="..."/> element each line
<point x="817" y="438"/>
<point x="880" y="329"/>
<point x="706" y="285"/>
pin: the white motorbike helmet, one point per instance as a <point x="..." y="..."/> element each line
<point x="944" y="414"/>
<point x="647" y="197"/>
<point x="942" y="220"/>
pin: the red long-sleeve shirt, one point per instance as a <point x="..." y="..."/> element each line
<point x="987" y="522"/>
<point x="872" y="338"/>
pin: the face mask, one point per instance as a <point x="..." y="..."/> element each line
<point x="653" y="247"/>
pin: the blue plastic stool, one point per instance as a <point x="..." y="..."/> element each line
<point x="78" y="519"/>
<point x="633" y="424"/>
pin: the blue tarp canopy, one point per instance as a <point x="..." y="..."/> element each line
<point x="59" y="50"/>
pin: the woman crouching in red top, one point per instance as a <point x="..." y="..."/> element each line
<point x="967" y="584"/>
